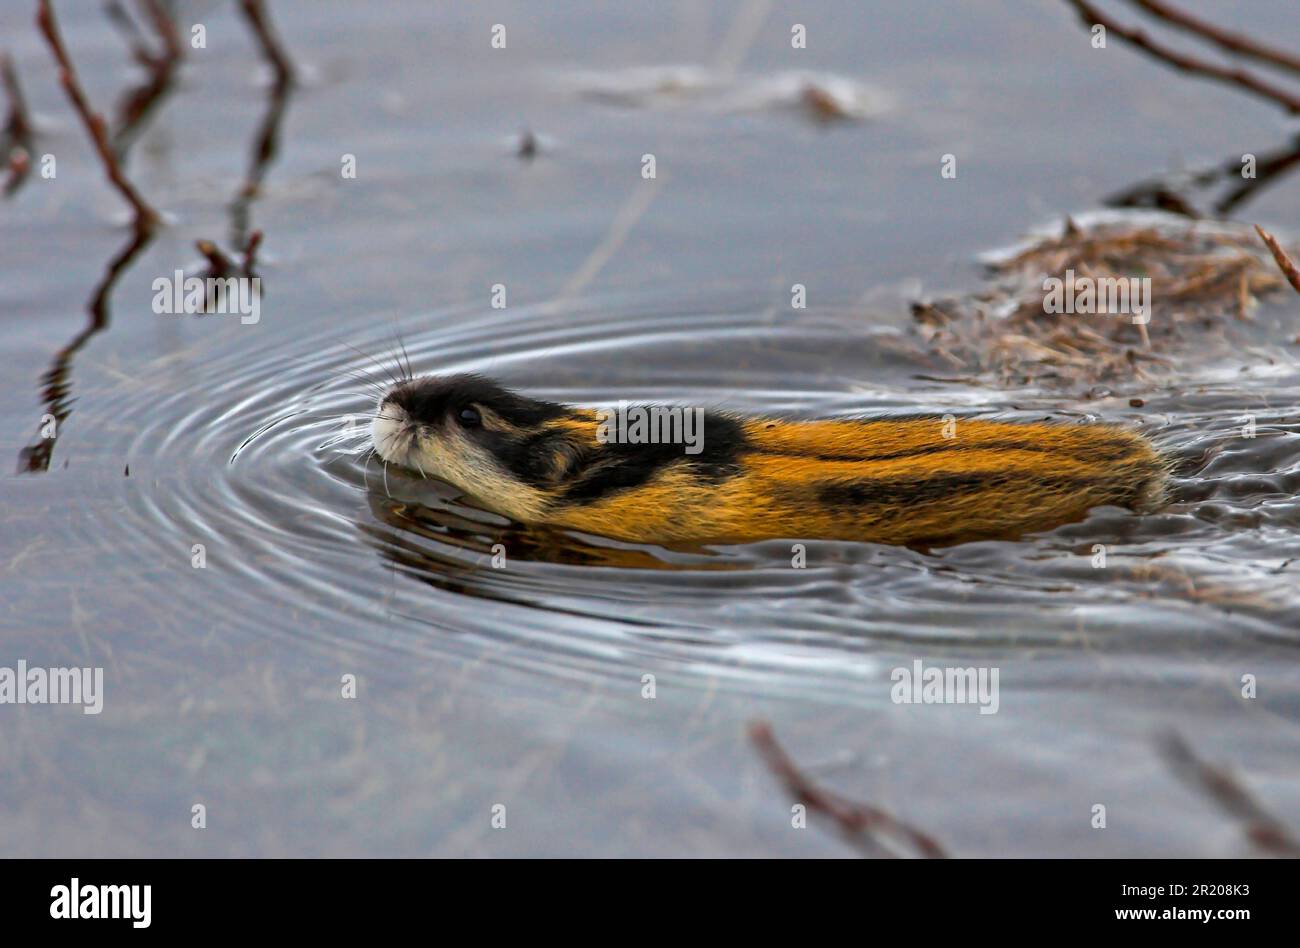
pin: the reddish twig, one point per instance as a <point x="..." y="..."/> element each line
<point x="859" y="823"/>
<point x="267" y="141"/>
<point x="1091" y="16"/>
<point x="1224" y="39"/>
<point x="1263" y="829"/>
<point x="18" y="125"/>
<point x="57" y="381"/>
<point x="219" y="262"/>
<point x="250" y="252"/>
<point x="146" y="218"/>
<point x="165" y="27"/>
<point x="16" y="143"/>
<point x="219" y="265"/>
<point x="1284" y="262"/>
<point x="255" y="12"/>
<point x="138" y="103"/>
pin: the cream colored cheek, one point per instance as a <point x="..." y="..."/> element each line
<point x="386" y="437"/>
<point x="463" y="463"/>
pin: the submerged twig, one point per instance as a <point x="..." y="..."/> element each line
<point x="1170" y="192"/>
<point x="15" y="150"/>
<point x="18" y="124"/>
<point x="138" y="103"/>
<point x="56" y="382"/>
<point x="255" y="12"/>
<point x="1091" y="16"/>
<point x="1264" y="830"/>
<point x="1284" y="262"/>
<point x="221" y="265"/>
<point x="165" y="27"/>
<point x="267" y="140"/>
<point x="250" y="252"/>
<point x="146" y="218"/>
<point x="862" y="825"/>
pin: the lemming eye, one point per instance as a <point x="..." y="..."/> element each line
<point x="470" y="418"/>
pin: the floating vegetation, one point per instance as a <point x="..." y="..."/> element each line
<point x="1109" y="300"/>
<point x="818" y="96"/>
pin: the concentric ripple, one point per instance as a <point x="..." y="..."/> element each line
<point x="250" y="457"/>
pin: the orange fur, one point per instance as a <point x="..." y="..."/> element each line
<point x="886" y="481"/>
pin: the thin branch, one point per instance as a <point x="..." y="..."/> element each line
<point x="1224" y="39"/>
<point x="18" y="126"/>
<point x="1091" y="16"/>
<point x="1284" y="262"/>
<point x="1263" y="829"/>
<point x="250" y="252"/>
<point x="859" y="823"/>
<point x="138" y="103"/>
<point x="165" y="27"/>
<point x="57" y="381"/>
<point x="118" y="16"/>
<point x="1269" y="169"/>
<point x="146" y="218"/>
<point x="255" y="12"/>
<point x="219" y="265"/>
<point x="267" y="141"/>
<point x="16" y="142"/>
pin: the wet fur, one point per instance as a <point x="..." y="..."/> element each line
<point x="888" y="480"/>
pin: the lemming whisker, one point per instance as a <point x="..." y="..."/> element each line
<point x="379" y="365"/>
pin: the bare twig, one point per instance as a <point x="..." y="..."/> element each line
<point x="1091" y="16"/>
<point x="250" y="252"/>
<point x="860" y="824"/>
<point x="1263" y="829"/>
<point x="219" y="265"/>
<point x="255" y="12"/>
<point x="16" y="142"/>
<point x="139" y="102"/>
<point x="165" y="27"/>
<point x="267" y="141"/>
<point x="57" y="381"/>
<point x="1224" y="39"/>
<point x="1284" y="262"/>
<point x="146" y="218"/>
<point x="219" y="262"/>
<point x="18" y="125"/>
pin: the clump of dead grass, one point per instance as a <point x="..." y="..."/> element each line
<point x="1206" y="280"/>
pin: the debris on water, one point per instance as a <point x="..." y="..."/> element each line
<point x="527" y="145"/>
<point x="822" y="97"/>
<point x="1114" y="297"/>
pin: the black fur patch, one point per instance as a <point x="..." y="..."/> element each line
<point x="542" y="460"/>
<point x="432" y="399"/>
<point x="905" y="492"/>
<point x="618" y="466"/>
<point x="1114" y="452"/>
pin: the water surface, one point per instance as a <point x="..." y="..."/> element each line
<point x="524" y="686"/>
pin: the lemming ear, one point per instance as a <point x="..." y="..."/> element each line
<point x="568" y="456"/>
